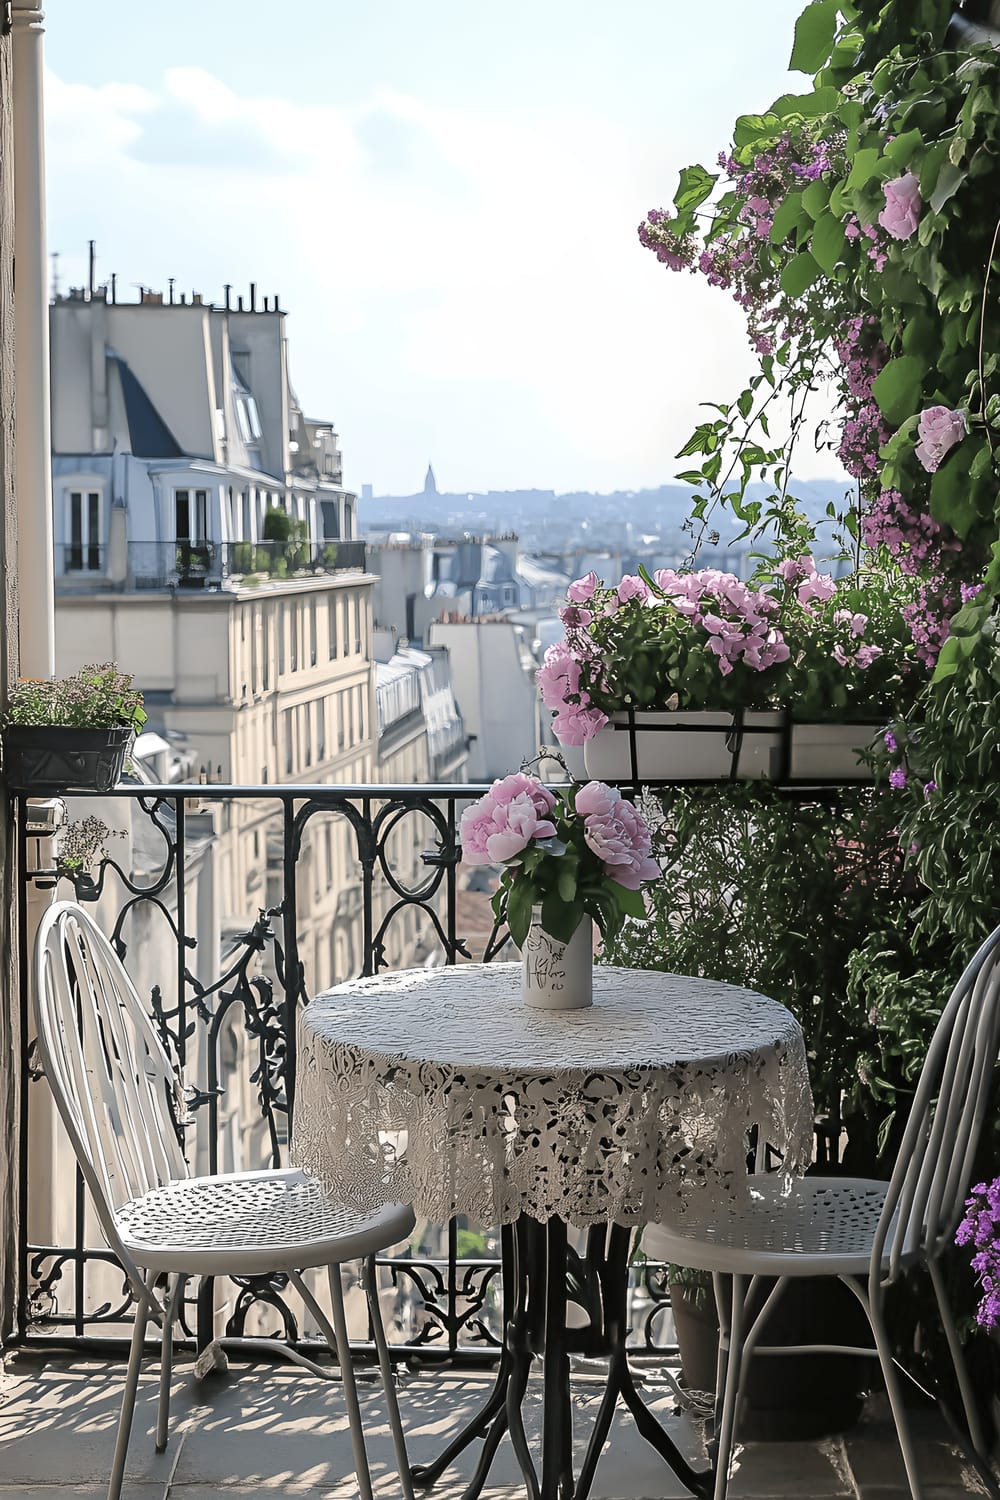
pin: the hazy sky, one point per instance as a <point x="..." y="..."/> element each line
<point x="445" y="193"/>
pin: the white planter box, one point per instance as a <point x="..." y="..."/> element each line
<point x="830" y="752"/>
<point x="694" y="746"/>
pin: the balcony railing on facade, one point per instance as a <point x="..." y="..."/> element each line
<point x="82" y="567"/>
<point x="231" y="906"/>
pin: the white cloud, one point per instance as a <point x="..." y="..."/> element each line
<point x="464" y="285"/>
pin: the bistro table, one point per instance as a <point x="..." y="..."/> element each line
<point x="441" y="1089"/>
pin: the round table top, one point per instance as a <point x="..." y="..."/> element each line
<point x="440" y="1088"/>
<point x="471" y="1016"/>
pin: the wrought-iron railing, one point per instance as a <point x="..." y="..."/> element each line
<point x="290" y="559"/>
<point x="401" y="898"/>
<point x="185" y="564"/>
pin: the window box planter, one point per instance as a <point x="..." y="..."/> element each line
<point x="831" y="751"/>
<point x="62" y="758"/>
<point x="693" y="745"/>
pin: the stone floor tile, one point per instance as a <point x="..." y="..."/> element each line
<point x="763" y="1471"/>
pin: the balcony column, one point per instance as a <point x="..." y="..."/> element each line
<point x="32" y="442"/>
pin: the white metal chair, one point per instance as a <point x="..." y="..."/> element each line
<point x="111" y="1079"/>
<point x="857" y="1229"/>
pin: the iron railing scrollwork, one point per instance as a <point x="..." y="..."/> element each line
<point x="225" y="988"/>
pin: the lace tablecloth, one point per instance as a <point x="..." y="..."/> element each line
<point x="439" y="1088"/>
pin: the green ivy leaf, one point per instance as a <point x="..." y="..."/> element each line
<point x="788" y="217"/>
<point x="800" y="272"/>
<point x="863" y="167"/>
<point x="750" y="128"/>
<point x="821" y="101"/>
<point x="952" y="497"/>
<point x="815" y="198"/>
<point x="950" y="179"/>
<point x="828" y="242"/>
<point x="901" y="149"/>
<point x="815" y="30"/>
<point x="897" y="387"/>
<point x="695" y="186"/>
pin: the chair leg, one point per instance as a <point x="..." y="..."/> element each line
<point x="727" y="1426"/>
<point x="958" y="1360"/>
<point x="350" y="1385"/>
<point x="388" y="1378"/>
<point x="172" y="1306"/>
<point x="894" y="1391"/>
<point x="128" y="1397"/>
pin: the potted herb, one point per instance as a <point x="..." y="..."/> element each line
<point x="704" y="672"/>
<point x="79" y="843"/>
<point x="570" y="857"/>
<point x="71" y="733"/>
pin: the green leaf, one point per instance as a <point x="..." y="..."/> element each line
<point x="519" y="904"/>
<point x="814" y="33"/>
<point x="750" y="128"/>
<point x="901" y="149"/>
<point x="800" y="272"/>
<point x="695" y="186"/>
<point x="897" y="387"/>
<point x="821" y="101"/>
<point x="632" y="903"/>
<point x="567" y="885"/>
<point x="950" y="179"/>
<point x="828" y="242"/>
<point x="863" y="166"/>
<point x="952" y="502"/>
<point x="815" y="198"/>
<point x="788" y="216"/>
<point x="560" y="918"/>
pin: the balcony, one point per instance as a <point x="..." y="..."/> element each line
<point x="182" y="564"/>
<point x="351" y="880"/>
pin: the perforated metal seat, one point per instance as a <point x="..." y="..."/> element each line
<point x="112" y="1082"/>
<point x="811" y="1226"/>
<point x="272" y="1220"/>
<point x="867" y="1233"/>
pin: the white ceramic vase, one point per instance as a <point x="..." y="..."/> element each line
<point x="555" y="975"/>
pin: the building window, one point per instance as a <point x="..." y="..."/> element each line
<point x="321" y="729"/>
<point x="83" y="554"/>
<point x="312" y="633"/>
<point x="293" y="637"/>
<point x="191" y="516"/>
<point x="357" y="623"/>
<point x="307" y="753"/>
<point x="340" y="720"/>
<point x="332" y="613"/>
<point x="289" y="747"/>
<point x="331" y="520"/>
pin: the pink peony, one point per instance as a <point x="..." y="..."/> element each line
<point x="574" y="726"/>
<point x="504" y="792"/>
<point x="493" y="832"/>
<point x="617" y="834"/>
<point x="903" y="203"/>
<point x="583" y="588"/>
<point x="939" y="429"/>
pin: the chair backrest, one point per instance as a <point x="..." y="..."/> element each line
<point x="108" y="1070"/>
<point x="933" y="1170"/>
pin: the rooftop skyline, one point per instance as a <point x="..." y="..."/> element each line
<point x="444" y="197"/>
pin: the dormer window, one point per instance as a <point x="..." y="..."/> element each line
<point x="84" y="530"/>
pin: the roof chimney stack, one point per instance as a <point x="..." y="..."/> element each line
<point x="253" y="296"/>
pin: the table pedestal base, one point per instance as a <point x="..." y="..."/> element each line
<point x="537" y="1271"/>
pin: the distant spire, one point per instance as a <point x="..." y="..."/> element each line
<point x="430" y="483"/>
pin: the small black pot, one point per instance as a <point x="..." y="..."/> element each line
<point x="64" y="758"/>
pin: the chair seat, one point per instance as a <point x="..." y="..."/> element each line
<point x="242" y="1223"/>
<point x="808" y="1226"/>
